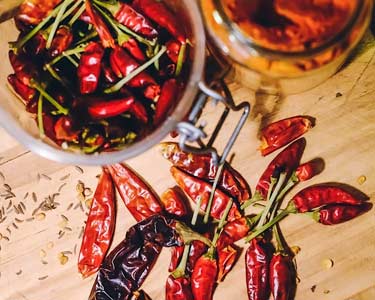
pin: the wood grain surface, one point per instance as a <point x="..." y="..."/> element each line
<point x="344" y="136"/>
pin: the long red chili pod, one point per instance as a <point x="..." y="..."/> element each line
<point x="28" y="94"/>
<point x="33" y="12"/>
<point x="133" y="48"/>
<point x="64" y="129"/>
<point x="320" y="195"/>
<point x="202" y="166"/>
<point x="89" y="68"/>
<point x="62" y="40"/>
<point x="178" y="289"/>
<point x="197" y="249"/>
<point x="139" y="112"/>
<point x="23" y="68"/>
<point x="173" y="50"/>
<point x="138" y="197"/>
<point x="282" y="277"/>
<point x="288" y="160"/>
<point x="197" y="189"/>
<point x="339" y="213"/>
<point x="257" y="261"/>
<point x="110" y="108"/>
<point x="160" y="14"/>
<point x="167" y="100"/>
<point x="226" y="259"/>
<point x="176" y="255"/>
<point x="203" y="278"/>
<point x="99" y="227"/>
<point x="175" y="202"/>
<point x="100" y="26"/>
<point x="281" y="133"/>
<point x="234" y="231"/>
<point x="36" y="45"/>
<point x="305" y="171"/>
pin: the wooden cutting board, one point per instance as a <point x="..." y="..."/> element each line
<point x="344" y="137"/>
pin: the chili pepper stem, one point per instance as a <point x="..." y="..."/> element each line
<point x="40" y="117"/>
<point x="273" y="182"/>
<point x="196" y="211"/>
<point x="79" y="49"/>
<point x="180" y="60"/>
<point x="188" y="235"/>
<point x="214" y="187"/>
<point x="276" y="231"/>
<point x="222" y="223"/>
<point x="315" y="215"/>
<point x="115" y="88"/>
<point x="181" y="268"/>
<point x="292" y="181"/>
<point x="87" y="38"/>
<point x="113" y="7"/>
<point x="257" y="197"/>
<point x="77" y="15"/>
<point x="71" y="9"/>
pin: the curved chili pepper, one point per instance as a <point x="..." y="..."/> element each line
<point x="173" y="50"/>
<point x="202" y="166"/>
<point x="178" y="289"/>
<point x="62" y="40"/>
<point x="167" y="100"/>
<point x="226" y="259"/>
<point x="176" y="255"/>
<point x="110" y="108"/>
<point x="128" y="265"/>
<point x="109" y="75"/>
<point x="100" y="26"/>
<point x="139" y="111"/>
<point x="196" y="188"/>
<point x="339" y="213"/>
<point x="138" y="197"/>
<point x="204" y="277"/>
<point x="234" y="231"/>
<point x="257" y="261"/>
<point x="175" y="202"/>
<point x="282" y="276"/>
<point x="316" y="196"/>
<point x="23" y="68"/>
<point x="288" y="160"/>
<point x="197" y="249"/>
<point x="160" y="14"/>
<point x="36" y="45"/>
<point x="133" y="48"/>
<point x="64" y="129"/>
<point x="28" y="94"/>
<point x="32" y="12"/>
<point x="305" y="171"/>
<point x="89" y="68"/>
<point x="99" y="227"/>
<point x="281" y="133"/>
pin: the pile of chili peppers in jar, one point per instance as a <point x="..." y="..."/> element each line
<point x="98" y="75"/>
<point x="203" y="240"/>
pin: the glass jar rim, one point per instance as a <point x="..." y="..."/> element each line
<point x="251" y="43"/>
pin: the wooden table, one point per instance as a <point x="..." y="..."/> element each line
<point x="344" y="137"/>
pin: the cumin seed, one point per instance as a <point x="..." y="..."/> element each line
<point x="35" y="199"/>
<point x="3" y="219"/>
<point x="43" y="277"/>
<point x="23" y="205"/>
<point x="30" y="219"/>
<point x="76" y="206"/>
<point x="6" y="238"/>
<point x="46" y="177"/>
<point x="18" y="220"/>
<point x="81" y="232"/>
<point x="67" y="252"/>
<point x="19" y="272"/>
<point x="9" y="231"/>
<point x="14" y="225"/>
<point x="10" y="204"/>
<point x="26" y="195"/>
<point x="75" y="249"/>
<point x="68" y="229"/>
<point x="64" y="218"/>
<point x="61" y="234"/>
<point x="38" y="177"/>
<point x="7" y="187"/>
<point x="2" y="176"/>
<point x="62" y="186"/>
<point x="70" y="206"/>
<point x="44" y="262"/>
<point x="65" y="177"/>
<point x="79" y="169"/>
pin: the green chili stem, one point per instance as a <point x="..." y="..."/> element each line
<point x="40" y="117"/>
<point x="157" y="64"/>
<point x="67" y="53"/>
<point x="71" y="9"/>
<point x="53" y="73"/>
<point x="49" y="98"/>
<point x="196" y="211"/>
<point x="115" y="88"/>
<point x="212" y="195"/>
<point x="181" y="268"/>
<point x="136" y="36"/>
<point x="280" y="246"/>
<point x="87" y="38"/>
<point x="112" y="8"/>
<point x="74" y="63"/>
<point x="273" y="181"/>
<point x="77" y="15"/>
<point x="257" y="197"/>
<point x="222" y="223"/>
<point x="57" y="21"/>
<point x="180" y="60"/>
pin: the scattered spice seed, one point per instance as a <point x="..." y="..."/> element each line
<point x="75" y="249"/>
<point x="68" y="229"/>
<point x="18" y="220"/>
<point x="70" y="206"/>
<point x="44" y="262"/>
<point x="10" y="204"/>
<point x="50" y="245"/>
<point x="30" y="219"/>
<point x="9" y="231"/>
<point x="2" y="176"/>
<point x="40" y="216"/>
<point x="3" y="210"/>
<point x="3" y="219"/>
<point x="327" y="263"/>
<point x="42" y="253"/>
<point x="338" y="95"/>
<point x="16" y="209"/>
<point x="43" y="277"/>
<point x="6" y="238"/>
<point x="76" y="206"/>
<point x="46" y="177"/>
<point x="61" y="187"/>
<point x="61" y="234"/>
<point x="35" y="199"/>
<point x="19" y="272"/>
<point x="64" y="218"/>
<point x="26" y="195"/>
<point x="79" y="169"/>
<point x="20" y="209"/>
<point x="38" y="177"/>
<point x="67" y="252"/>
<point x="81" y="232"/>
<point x="63" y="258"/>
<point x="14" y="225"/>
<point x="23" y="205"/>
<point x="1" y="236"/>
<point x="81" y="206"/>
<point x="361" y="179"/>
<point x="7" y="187"/>
<point x="313" y="288"/>
<point x="65" y="177"/>
<point x="326" y="292"/>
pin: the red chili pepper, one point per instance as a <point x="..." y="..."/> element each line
<point x="257" y="261"/>
<point x="167" y="101"/>
<point x="100" y="26"/>
<point x="203" y="166"/>
<point x="139" y="111"/>
<point x="32" y="12"/>
<point x="23" y="68"/>
<point x="174" y="202"/>
<point x="204" y="277"/>
<point x="62" y="40"/>
<point x="89" y="68"/>
<point x="109" y="75"/>
<point x="29" y="95"/>
<point x="176" y="255"/>
<point x="197" y="249"/>
<point x="173" y="50"/>
<point x="140" y="200"/>
<point x="282" y="277"/>
<point x="340" y="213"/>
<point x="160" y="14"/>
<point x="281" y="133"/>
<point x="196" y="188"/>
<point x="226" y="259"/>
<point x="234" y="231"/>
<point x="288" y="160"/>
<point x="305" y="171"/>
<point x="133" y="48"/>
<point x="99" y="227"/>
<point x="316" y="196"/>
<point x="36" y="45"/>
<point x="64" y="129"/>
<point x="178" y="289"/>
<point x="110" y="108"/>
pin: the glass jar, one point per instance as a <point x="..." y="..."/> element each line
<point x="268" y="68"/>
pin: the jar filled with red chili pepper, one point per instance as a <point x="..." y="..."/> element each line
<point x="280" y="46"/>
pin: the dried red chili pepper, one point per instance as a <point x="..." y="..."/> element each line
<point x="173" y="50"/>
<point x="161" y="15"/>
<point x="281" y="133"/>
<point x="202" y="166"/>
<point x="138" y="197"/>
<point x="197" y="249"/>
<point x="226" y="259"/>
<point x="23" y="67"/>
<point x="178" y="289"/>
<point x="203" y="278"/>
<point x="139" y="111"/>
<point x="89" y="68"/>
<point x="99" y="227"/>
<point x="319" y="195"/>
<point x="109" y="75"/>
<point x="339" y="213"/>
<point x="32" y="12"/>
<point x="110" y="108"/>
<point x="305" y="171"/>
<point x="257" y="261"/>
<point x="36" y="45"/>
<point x="234" y="231"/>
<point x="28" y="94"/>
<point x="62" y="40"/>
<point x="64" y="129"/>
<point x="288" y="160"/>
<point x="196" y="188"/>
<point x="167" y="100"/>
<point x="175" y="202"/>
<point x="176" y="254"/>
<point x="282" y="276"/>
<point x="133" y="48"/>
<point x="100" y="26"/>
